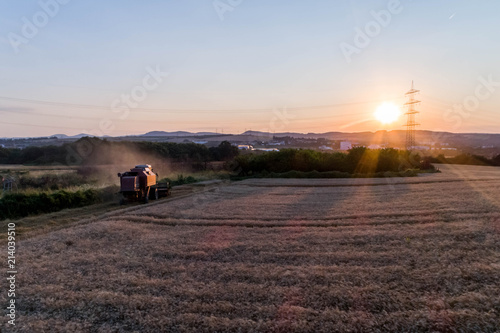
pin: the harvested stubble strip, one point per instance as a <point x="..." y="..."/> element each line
<point x="284" y="223"/>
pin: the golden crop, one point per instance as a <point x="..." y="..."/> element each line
<point x="276" y="255"/>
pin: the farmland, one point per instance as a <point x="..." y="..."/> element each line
<point x="277" y="255"/>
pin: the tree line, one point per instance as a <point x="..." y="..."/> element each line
<point x="358" y="160"/>
<point x="101" y="151"/>
<point x="467" y="159"/>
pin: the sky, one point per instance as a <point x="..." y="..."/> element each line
<point x="128" y="67"/>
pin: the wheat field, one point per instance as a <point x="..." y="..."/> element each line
<point x="277" y="255"/>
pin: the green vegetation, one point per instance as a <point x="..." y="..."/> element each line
<point x="103" y="152"/>
<point x="16" y="205"/>
<point x="224" y="152"/>
<point x="467" y="159"/>
<point x="181" y="180"/>
<point x="52" y="192"/>
<point x="41" y="191"/>
<point x="52" y="181"/>
<point x="313" y="164"/>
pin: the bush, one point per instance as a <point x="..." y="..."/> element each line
<point x="470" y="160"/>
<point x="16" y="205"/>
<point x="224" y="152"/>
<point x="496" y="160"/>
<point x="360" y="161"/>
<point x="52" y="181"/>
<point x="426" y="164"/>
<point x="467" y="159"/>
<point x="181" y="180"/>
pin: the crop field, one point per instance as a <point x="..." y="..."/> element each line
<point x="415" y="254"/>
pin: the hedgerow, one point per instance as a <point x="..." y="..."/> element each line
<point x="16" y="205"/>
<point x="181" y="180"/>
<point x="359" y="161"/>
<point x="95" y="151"/>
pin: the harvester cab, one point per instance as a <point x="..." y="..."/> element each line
<point x="140" y="184"/>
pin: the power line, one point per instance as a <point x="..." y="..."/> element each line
<point x="88" y="106"/>
<point x="40" y="126"/>
<point x="146" y="120"/>
<point x="35" y="113"/>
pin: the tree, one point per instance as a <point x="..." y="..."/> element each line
<point x="224" y="152"/>
<point x="496" y="160"/>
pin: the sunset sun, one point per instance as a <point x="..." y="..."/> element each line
<point x="387" y="113"/>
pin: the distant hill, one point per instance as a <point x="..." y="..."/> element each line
<point x="392" y="138"/>
<point x="178" y="133"/>
<point x="64" y="136"/>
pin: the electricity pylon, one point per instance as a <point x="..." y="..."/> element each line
<point x="411" y="124"/>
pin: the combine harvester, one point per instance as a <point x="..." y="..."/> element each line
<point x="140" y="184"/>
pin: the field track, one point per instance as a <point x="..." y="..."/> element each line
<point x="277" y="255"/>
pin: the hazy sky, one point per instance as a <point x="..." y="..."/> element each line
<point x="101" y="67"/>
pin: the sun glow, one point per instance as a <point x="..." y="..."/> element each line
<point x="387" y="113"/>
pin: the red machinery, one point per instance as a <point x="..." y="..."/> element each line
<point x="140" y="183"/>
